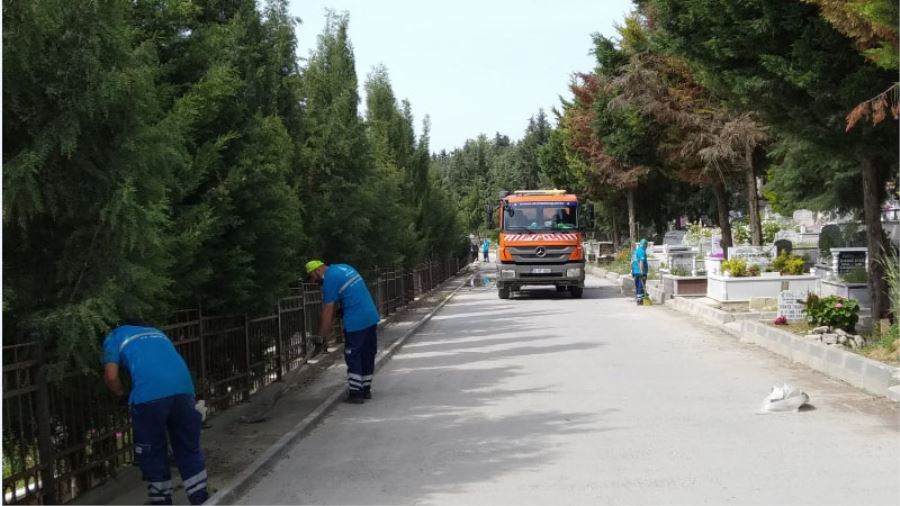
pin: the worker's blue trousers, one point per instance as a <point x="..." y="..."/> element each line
<point x="177" y="416"/>
<point x="638" y="287"/>
<point x="359" y="353"/>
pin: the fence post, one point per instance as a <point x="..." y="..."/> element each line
<point x="247" y="374"/>
<point x="203" y="375"/>
<point x="403" y="300"/>
<point x="45" y="443"/>
<point x="279" y="348"/>
<point x="379" y="292"/>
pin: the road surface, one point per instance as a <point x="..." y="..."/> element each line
<point x="547" y="400"/>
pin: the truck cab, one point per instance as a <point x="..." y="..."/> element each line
<point x="540" y="242"/>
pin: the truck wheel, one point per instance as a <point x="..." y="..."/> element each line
<point x="577" y="291"/>
<point x="503" y="292"/>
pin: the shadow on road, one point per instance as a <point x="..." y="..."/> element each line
<point x="453" y="396"/>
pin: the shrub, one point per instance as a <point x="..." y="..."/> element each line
<point x="753" y="270"/>
<point x="679" y="271"/>
<point x="696" y="232"/>
<point x="623" y="256"/>
<point x="769" y="229"/>
<point x="737" y="267"/>
<point x="856" y="275"/>
<point x="832" y="311"/>
<point x="789" y="264"/>
<point x="740" y="231"/>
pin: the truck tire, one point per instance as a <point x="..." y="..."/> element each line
<point x="577" y="291"/>
<point x="503" y="292"/>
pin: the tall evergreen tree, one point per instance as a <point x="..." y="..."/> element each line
<point x="335" y="150"/>
<point x="89" y="155"/>
<point x="784" y="61"/>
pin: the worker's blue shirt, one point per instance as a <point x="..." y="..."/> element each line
<point x="156" y="368"/>
<point x="343" y="283"/>
<point x="639" y="258"/>
<point x="486" y="245"/>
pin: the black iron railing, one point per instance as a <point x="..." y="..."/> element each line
<point x="63" y="438"/>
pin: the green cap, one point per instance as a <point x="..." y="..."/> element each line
<point x="313" y="265"/>
<point x="643" y="242"/>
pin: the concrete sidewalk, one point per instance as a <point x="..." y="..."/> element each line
<point x="231" y="446"/>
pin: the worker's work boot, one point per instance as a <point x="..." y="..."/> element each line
<point x="367" y="393"/>
<point x="354" y="397"/>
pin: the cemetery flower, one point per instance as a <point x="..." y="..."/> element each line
<point x="832" y="311"/>
<point x="781" y="320"/>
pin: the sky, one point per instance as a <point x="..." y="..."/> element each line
<point x="472" y="66"/>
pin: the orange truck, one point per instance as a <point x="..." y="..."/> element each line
<point x="540" y="241"/>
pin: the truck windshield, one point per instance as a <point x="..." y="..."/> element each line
<point x="541" y="216"/>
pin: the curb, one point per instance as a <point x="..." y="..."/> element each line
<point x="713" y="315"/>
<point x="864" y="373"/>
<point x="237" y="486"/>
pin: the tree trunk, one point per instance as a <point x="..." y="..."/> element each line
<point x="615" y="233"/>
<point x="722" y="205"/>
<point x="632" y="225"/>
<point x="873" y="187"/>
<point x="756" y="237"/>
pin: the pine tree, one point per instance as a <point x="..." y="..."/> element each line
<point x="336" y="151"/>
<point x="89" y="156"/>
<point x="789" y="65"/>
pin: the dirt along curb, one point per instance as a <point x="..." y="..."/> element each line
<point x="229" y="493"/>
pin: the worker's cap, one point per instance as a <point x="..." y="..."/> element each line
<point x="643" y="242"/>
<point x="313" y="265"/>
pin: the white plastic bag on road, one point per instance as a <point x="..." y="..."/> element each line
<point x="784" y="398"/>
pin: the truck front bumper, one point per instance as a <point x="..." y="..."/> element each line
<point x="514" y="276"/>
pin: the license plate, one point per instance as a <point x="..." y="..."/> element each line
<point x="540" y="270"/>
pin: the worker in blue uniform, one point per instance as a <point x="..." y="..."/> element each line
<point x="341" y="283"/>
<point x="639" y="269"/>
<point x="162" y="404"/>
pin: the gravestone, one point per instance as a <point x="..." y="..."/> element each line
<point x="789" y="305"/>
<point x="804" y="218"/>
<point x="674" y="237"/>
<point x="783" y="245"/>
<point x="753" y="255"/>
<point x="844" y="260"/>
<point x="715" y="247"/>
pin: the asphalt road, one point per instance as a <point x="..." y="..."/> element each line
<point x="547" y="400"/>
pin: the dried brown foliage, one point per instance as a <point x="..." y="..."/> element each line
<point x="706" y="141"/>
<point x="877" y="108"/>
<point x="583" y="139"/>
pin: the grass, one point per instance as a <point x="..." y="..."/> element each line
<point x="884" y="348"/>
<point x="799" y="328"/>
<point x="619" y="266"/>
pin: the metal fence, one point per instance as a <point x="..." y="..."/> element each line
<point x="63" y="438"/>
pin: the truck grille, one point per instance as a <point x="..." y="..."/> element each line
<point x="551" y="254"/>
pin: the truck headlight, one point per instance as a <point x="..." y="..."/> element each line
<point x="573" y="273"/>
<point x="507" y="274"/>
